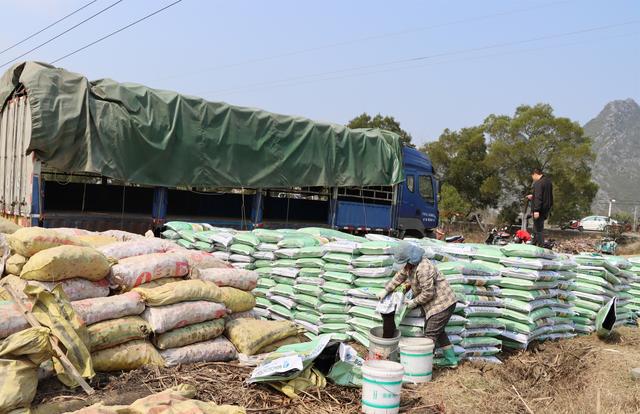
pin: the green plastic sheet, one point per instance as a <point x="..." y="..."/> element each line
<point x="153" y="137"/>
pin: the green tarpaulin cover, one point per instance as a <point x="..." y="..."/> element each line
<point x="153" y="137"/>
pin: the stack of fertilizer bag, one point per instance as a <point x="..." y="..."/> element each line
<point x="475" y="326"/>
<point x="634" y="304"/>
<point x="535" y="293"/>
<point x="201" y="237"/>
<point x="291" y="272"/>
<point x="187" y="319"/>
<point x="599" y="279"/>
<point x="46" y="258"/>
<point x="621" y="267"/>
<point x="372" y="270"/>
<point x="355" y="271"/>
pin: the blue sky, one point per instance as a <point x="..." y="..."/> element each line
<point x="431" y="64"/>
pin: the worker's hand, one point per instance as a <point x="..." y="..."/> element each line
<point x="410" y="304"/>
<point x="536" y="215"/>
<point x="530" y="197"/>
<point x="383" y="294"/>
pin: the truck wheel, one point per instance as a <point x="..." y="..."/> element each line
<point x="413" y="234"/>
<point x="580" y="229"/>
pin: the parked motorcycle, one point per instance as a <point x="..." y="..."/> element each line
<point x="440" y="235"/>
<point x="572" y="225"/>
<point x="455" y="239"/>
<point x="498" y="237"/>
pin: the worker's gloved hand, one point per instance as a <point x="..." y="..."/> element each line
<point x="410" y="304"/>
<point x="383" y="294"/>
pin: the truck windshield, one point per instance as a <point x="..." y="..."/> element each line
<point x="425" y="185"/>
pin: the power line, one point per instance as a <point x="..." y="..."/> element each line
<point x="364" y="39"/>
<point x="66" y="31"/>
<point x="426" y="57"/>
<point x="116" y="31"/>
<point x="411" y="67"/>
<point x="48" y="27"/>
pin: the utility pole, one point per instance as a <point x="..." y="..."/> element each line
<point x="610" y="204"/>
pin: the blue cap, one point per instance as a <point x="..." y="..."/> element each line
<point x="408" y="253"/>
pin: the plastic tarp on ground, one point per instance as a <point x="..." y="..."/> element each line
<point x="153" y="137"/>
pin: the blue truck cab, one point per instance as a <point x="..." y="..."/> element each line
<point x="418" y="212"/>
<point x="410" y="208"/>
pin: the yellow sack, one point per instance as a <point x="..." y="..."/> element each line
<point x="8" y="226"/>
<point x="237" y="300"/>
<point x="309" y="378"/>
<point x="66" y="262"/>
<point x="31" y="343"/>
<point x="182" y="291"/>
<point x="272" y="347"/>
<point x="52" y="309"/>
<point x="174" y="400"/>
<point x="97" y="240"/>
<point x="191" y="334"/>
<point x="18" y="384"/>
<point x="251" y="335"/>
<point x="14" y="264"/>
<point x="178" y="400"/>
<point x="126" y="357"/>
<point x="28" y="241"/>
<point x="108" y="334"/>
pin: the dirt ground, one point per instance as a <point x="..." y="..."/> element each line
<point x="581" y="375"/>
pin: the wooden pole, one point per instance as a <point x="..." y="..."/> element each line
<point x="68" y="366"/>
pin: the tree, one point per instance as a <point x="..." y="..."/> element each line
<point x="623" y="217"/>
<point x="451" y="204"/>
<point x="387" y="123"/>
<point x="535" y="137"/>
<point x="459" y="158"/>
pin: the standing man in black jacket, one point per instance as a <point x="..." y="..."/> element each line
<point x="542" y="199"/>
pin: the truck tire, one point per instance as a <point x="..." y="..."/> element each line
<point x="413" y="233"/>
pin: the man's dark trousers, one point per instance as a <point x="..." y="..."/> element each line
<point x="538" y="230"/>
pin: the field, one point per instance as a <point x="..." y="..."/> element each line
<point x="581" y="375"/>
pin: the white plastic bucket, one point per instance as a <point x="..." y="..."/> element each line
<point x="381" y="386"/>
<point x="416" y="356"/>
<point x="381" y="348"/>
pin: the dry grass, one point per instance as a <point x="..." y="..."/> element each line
<point x="629" y="249"/>
<point x="222" y="383"/>
<point x="582" y="375"/>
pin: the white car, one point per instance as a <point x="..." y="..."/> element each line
<point x="597" y="223"/>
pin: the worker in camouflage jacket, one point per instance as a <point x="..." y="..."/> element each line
<point x="430" y="290"/>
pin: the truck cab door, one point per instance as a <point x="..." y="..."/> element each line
<point x="427" y="187"/>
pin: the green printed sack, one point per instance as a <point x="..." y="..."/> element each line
<point x="346" y="278"/>
<point x="336" y="267"/>
<point x="336" y="288"/>
<point x="339" y="258"/>
<point x="246" y="238"/>
<point x="377" y="248"/>
<point x="373" y="261"/>
<point x="310" y="262"/>
<point x="378" y="283"/>
<point x="308" y="290"/>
